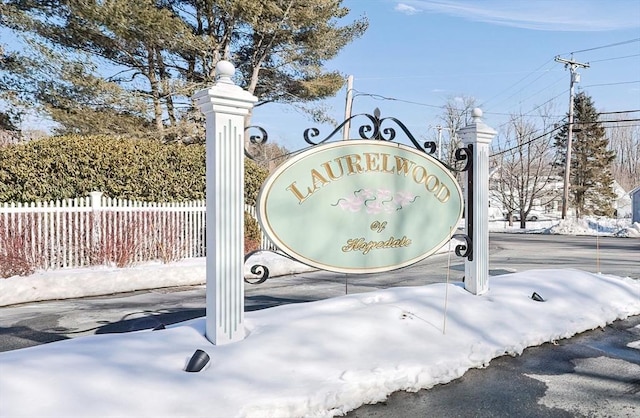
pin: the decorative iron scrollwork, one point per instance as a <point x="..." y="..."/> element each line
<point x="464" y="154"/>
<point x="466" y="249"/>
<point x="375" y="130"/>
<point x="372" y="130"/>
<point x="261" y="270"/>
<point x="430" y="147"/>
<point x="258" y="139"/>
<point x="461" y="154"/>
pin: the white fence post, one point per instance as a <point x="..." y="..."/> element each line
<point x="93" y="230"/>
<point x="225" y="106"/>
<point x="96" y="222"/>
<point x="479" y="136"/>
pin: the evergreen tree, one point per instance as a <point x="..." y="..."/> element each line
<point x="162" y="51"/>
<point x="6" y="124"/>
<point x="590" y="178"/>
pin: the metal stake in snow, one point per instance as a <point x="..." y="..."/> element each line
<point x="478" y="136"/>
<point x="225" y="105"/>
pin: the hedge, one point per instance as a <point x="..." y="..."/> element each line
<point x="147" y="170"/>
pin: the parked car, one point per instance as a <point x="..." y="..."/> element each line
<point x="532" y="216"/>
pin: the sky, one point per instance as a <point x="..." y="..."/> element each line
<point x="323" y="358"/>
<point x="417" y="55"/>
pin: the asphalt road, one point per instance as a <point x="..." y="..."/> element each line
<point x="591" y="375"/>
<point x="594" y="374"/>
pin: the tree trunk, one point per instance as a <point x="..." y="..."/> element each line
<point x="155" y="90"/>
<point x="166" y="90"/>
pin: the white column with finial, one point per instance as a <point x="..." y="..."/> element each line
<point x="479" y="136"/>
<point x="225" y="106"/>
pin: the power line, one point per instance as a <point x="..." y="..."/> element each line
<point x="529" y="113"/>
<point x="380" y="97"/>
<point x="616" y="58"/>
<point x="401" y="77"/>
<point x="528" y="142"/>
<point x="619" y="111"/>
<point x="546" y="88"/>
<point x="516" y="83"/>
<point x="560" y="126"/>
<point x="551" y="99"/>
<point x="604" y="46"/>
<point x="625" y="126"/>
<point x="526" y="113"/>
<point x="532" y="81"/>
<point x="616" y="121"/>
<point x="613" y="84"/>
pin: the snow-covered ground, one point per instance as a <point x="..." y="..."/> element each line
<point x="95" y="281"/>
<point x="586" y="226"/>
<point x="311" y="359"/>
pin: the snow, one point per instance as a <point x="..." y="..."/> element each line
<point x="318" y="359"/>
<point x="594" y="226"/>
<point x="96" y="281"/>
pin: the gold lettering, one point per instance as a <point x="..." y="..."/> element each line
<point x="402" y="165"/>
<point x="378" y="226"/>
<point x="435" y="183"/>
<point x="353" y="163"/>
<point x="294" y="189"/>
<point x="329" y="170"/>
<point x="372" y="161"/>
<point x="423" y="174"/>
<point x="443" y="197"/>
<point x="385" y="164"/>
<point x="360" y="245"/>
<point x="317" y="180"/>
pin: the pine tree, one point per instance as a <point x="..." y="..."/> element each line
<point x="591" y="181"/>
<point x="160" y="52"/>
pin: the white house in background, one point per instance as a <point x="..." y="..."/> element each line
<point x="549" y="203"/>
<point x="622" y="204"/>
<point x="635" y="204"/>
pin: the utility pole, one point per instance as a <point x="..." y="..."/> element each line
<point x="575" y="78"/>
<point x="347" y="108"/>
<point x="439" y="128"/>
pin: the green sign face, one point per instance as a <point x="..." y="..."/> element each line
<point x="360" y="206"/>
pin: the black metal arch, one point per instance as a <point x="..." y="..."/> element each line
<point x="257" y="139"/>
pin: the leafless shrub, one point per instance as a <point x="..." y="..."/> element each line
<point x="14" y="257"/>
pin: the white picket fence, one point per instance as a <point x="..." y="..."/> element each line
<point x="97" y="230"/>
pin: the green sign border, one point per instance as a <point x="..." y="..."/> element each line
<point x="279" y="196"/>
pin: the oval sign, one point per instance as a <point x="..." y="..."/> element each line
<point x="360" y="206"/>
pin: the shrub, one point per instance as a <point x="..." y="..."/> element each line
<point x="252" y="235"/>
<point x="254" y="177"/>
<point x="72" y="166"/>
<point x="67" y="167"/>
<point x="58" y="168"/>
<point x="14" y="258"/>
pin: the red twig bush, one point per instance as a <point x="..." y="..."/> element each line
<point x="14" y="257"/>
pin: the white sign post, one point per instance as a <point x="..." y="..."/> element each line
<point x="225" y="106"/>
<point x="476" y="270"/>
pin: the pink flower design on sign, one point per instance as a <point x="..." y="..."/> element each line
<point x="375" y="202"/>
<point x="351" y="203"/>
